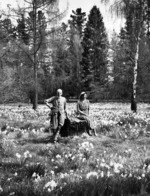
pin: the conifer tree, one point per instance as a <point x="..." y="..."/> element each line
<point x="76" y="23"/>
<point x="78" y="19"/>
<point x="95" y="47"/>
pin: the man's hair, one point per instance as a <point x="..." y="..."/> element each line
<point x="59" y="91"/>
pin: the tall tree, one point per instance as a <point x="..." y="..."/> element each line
<point x="76" y="24"/>
<point x="122" y="68"/>
<point x="78" y="19"/>
<point x="136" y="10"/>
<point x="61" y="65"/>
<point x="95" y="48"/>
<point x="34" y="27"/>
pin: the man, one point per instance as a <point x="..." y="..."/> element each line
<point x="58" y="114"/>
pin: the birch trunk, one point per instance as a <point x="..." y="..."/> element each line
<point x="134" y="93"/>
<point x="35" y="103"/>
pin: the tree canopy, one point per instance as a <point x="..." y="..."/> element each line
<point x="40" y="53"/>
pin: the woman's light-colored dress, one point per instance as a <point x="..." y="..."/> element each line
<point x="84" y="106"/>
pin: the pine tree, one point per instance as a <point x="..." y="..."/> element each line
<point x="76" y="24"/>
<point x="78" y="20"/>
<point x="95" y="46"/>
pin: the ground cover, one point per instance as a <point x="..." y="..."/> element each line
<point x="116" y="162"/>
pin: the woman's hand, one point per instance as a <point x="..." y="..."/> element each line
<point x="81" y="112"/>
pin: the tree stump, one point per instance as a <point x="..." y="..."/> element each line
<point x="73" y="126"/>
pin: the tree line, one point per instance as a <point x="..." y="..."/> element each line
<point x="39" y="53"/>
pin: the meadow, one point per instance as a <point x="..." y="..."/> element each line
<point x="115" y="163"/>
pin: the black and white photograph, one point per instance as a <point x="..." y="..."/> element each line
<point x="74" y="97"/>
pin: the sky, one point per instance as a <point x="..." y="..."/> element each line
<point x="111" y="22"/>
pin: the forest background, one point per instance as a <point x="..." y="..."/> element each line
<point x="39" y="53"/>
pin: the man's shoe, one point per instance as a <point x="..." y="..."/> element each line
<point x="89" y="133"/>
<point x="54" y="141"/>
<point x="94" y="131"/>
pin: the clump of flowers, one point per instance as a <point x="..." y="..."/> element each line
<point x="91" y="174"/>
<point x="50" y="186"/>
<point x="23" y="158"/>
<point x="86" y="148"/>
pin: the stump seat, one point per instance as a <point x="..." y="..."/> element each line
<point x="73" y="126"/>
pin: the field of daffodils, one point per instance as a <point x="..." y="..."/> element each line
<point x="116" y="162"/>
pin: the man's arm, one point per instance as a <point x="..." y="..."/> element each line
<point x="65" y="108"/>
<point x="65" y="103"/>
<point x="47" y="101"/>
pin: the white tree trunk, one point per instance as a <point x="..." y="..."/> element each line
<point x="135" y="74"/>
<point x="35" y="102"/>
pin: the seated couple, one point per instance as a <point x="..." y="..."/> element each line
<point x="59" y="114"/>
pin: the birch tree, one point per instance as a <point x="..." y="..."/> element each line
<point x="137" y="7"/>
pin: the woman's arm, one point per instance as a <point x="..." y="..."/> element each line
<point x="79" y="111"/>
<point x="88" y="107"/>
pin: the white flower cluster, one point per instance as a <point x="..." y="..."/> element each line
<point x="92" y="174"/>
<point x="27" y="154"/>
<point x="1" y="190"/>
<point x="23" y="158"/>
<point x="86" y="146"/>
<point x="36" y="177"/>
<point x="18" y="155"/>
<point x="50" y="185"/>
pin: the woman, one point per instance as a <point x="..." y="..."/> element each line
<point x="83" y="107"/>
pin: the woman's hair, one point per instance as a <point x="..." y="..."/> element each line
<point x="82" y="95"/>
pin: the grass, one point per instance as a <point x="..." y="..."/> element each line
<point x="116" y="162"/>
